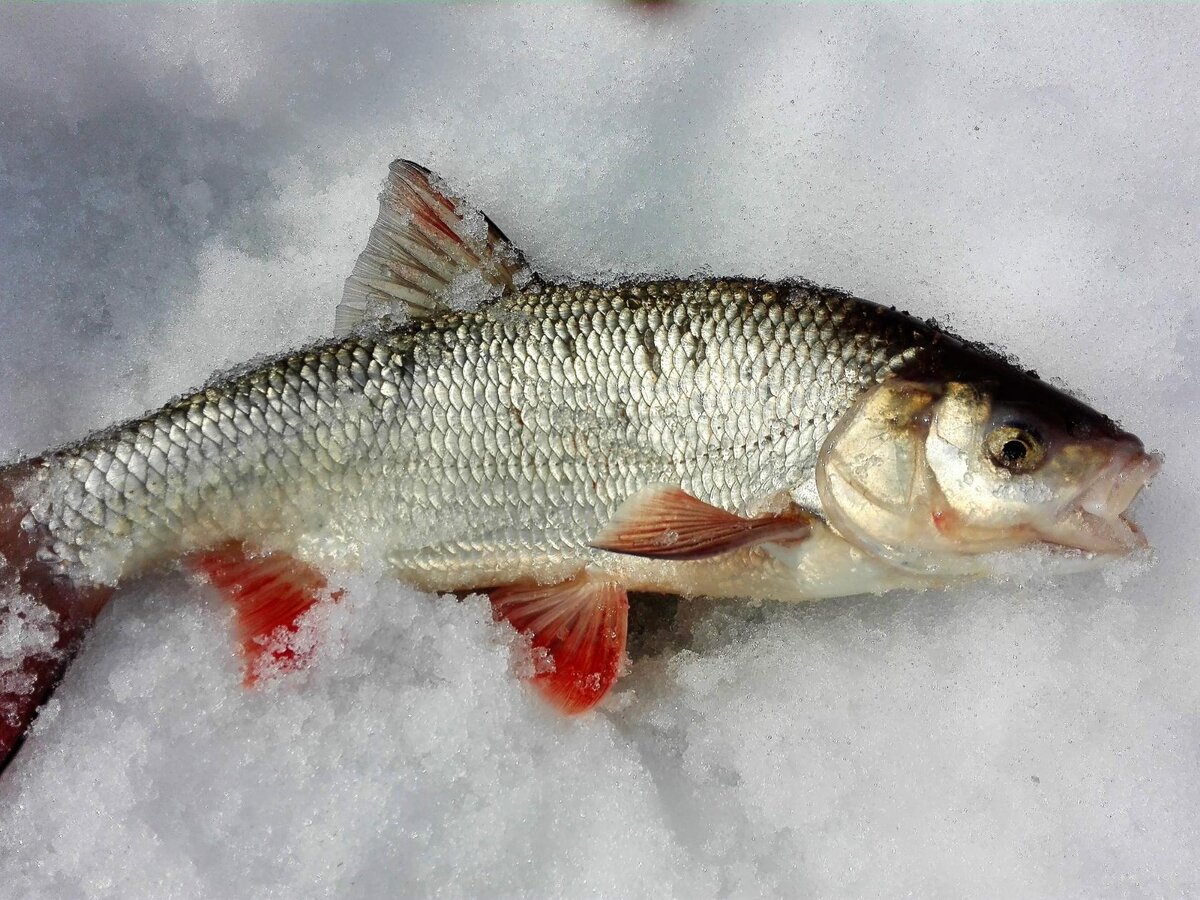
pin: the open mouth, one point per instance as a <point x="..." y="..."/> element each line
<point x="1096" y="522"/>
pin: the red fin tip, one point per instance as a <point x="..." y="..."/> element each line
<point x="270" y="592"/>
<point x="581" y="624"/>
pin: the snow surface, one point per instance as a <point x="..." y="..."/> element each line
<point x="183" y="189"/>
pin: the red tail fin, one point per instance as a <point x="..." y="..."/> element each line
<point x="43" y="618"/>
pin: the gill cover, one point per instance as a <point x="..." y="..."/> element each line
<point x="880" y="492"/>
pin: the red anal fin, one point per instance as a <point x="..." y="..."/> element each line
<point x="270" y="592"/>
<point x="581" y="624"/>
<point x="669" y="523"/>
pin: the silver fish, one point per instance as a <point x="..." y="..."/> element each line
<point x="560" y="445"/>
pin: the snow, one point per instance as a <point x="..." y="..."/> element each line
<point x="185" y="189"/>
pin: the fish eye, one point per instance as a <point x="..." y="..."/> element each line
<point x="1014" y="451"/>
<point x="1015" y="448"/>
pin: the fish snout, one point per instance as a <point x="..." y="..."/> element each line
<point x="1096" y="521"/>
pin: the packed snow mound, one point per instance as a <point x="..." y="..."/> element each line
<point x="184" y="190"/>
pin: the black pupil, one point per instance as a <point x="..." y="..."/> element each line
<point x="1014" y="450"/>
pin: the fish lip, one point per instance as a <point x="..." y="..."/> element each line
<point x="1096" y="521"/>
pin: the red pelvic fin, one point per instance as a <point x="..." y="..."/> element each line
<point x="669" y="523"/>
<point x="581" y="624"/>
<point x="270" y="592"/>
<point x="43" y="618"/>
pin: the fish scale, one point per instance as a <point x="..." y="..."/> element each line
<point x="526" y="424"/>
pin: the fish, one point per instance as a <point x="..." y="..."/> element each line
<point x="556" y="446"/>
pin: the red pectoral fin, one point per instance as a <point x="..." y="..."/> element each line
<point x="270" y="592"/>
<point x="668" y="523"/>
<point x="581" y="624"/>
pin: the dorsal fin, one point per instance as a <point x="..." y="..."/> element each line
<point x="424" y="243"/>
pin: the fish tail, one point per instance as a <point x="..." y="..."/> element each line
<point x="43" y="617"/>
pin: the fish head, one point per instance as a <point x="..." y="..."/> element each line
<point x="942" y="476"/>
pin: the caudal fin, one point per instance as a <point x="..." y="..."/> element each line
<point x="43" y="618"/>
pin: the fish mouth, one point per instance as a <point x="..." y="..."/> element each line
<point x="1096" y="521"/>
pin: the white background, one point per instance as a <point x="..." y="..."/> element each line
<point x="182" y="190"/>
